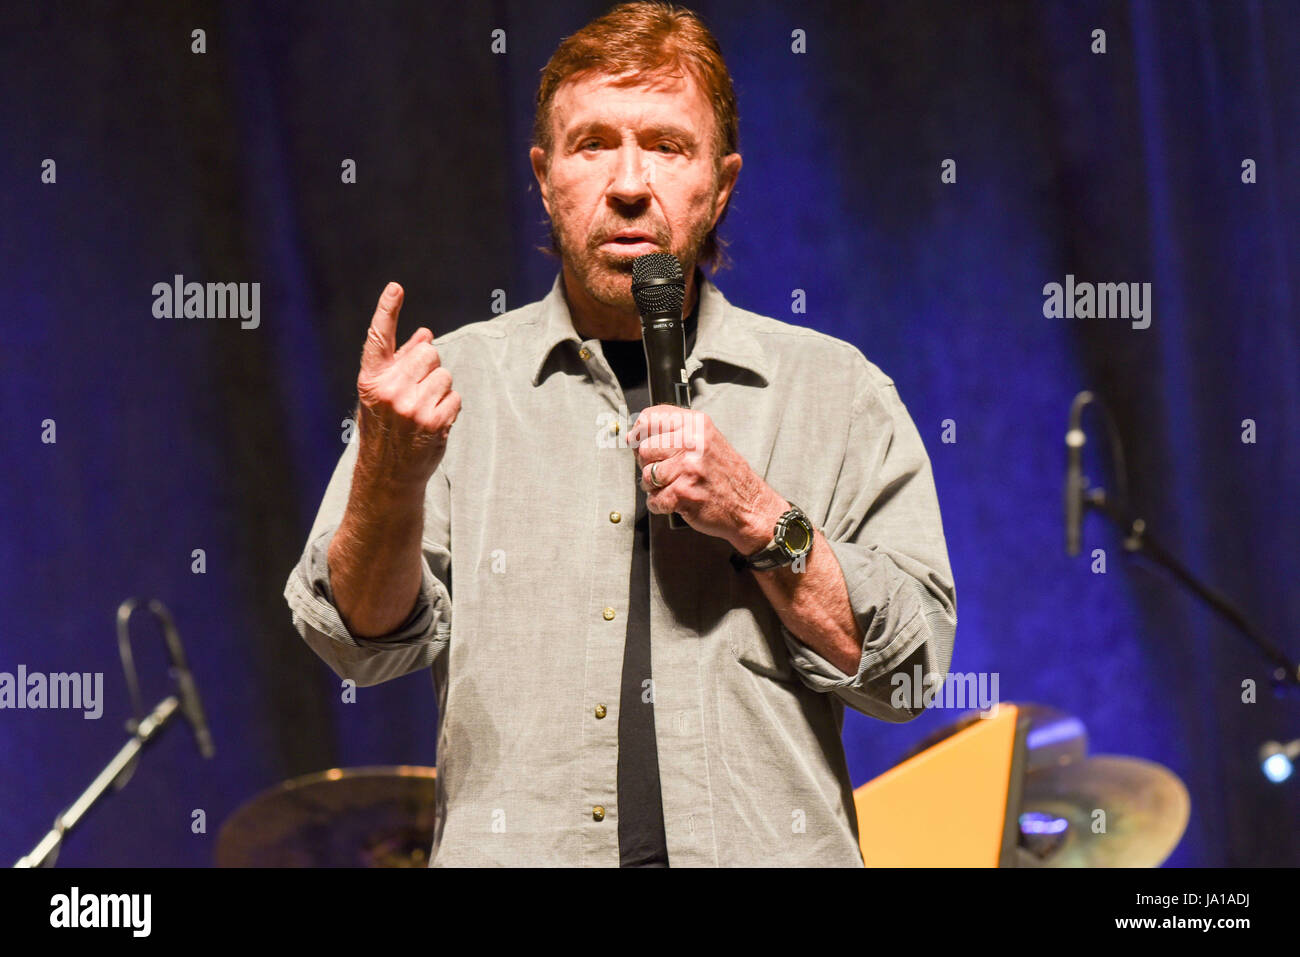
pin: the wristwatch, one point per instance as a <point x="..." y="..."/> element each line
<point x="792" y="539"/>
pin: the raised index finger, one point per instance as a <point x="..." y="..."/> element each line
<point x="381" y="338"/>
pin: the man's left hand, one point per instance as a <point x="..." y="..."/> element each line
<point x="703" y="478"/>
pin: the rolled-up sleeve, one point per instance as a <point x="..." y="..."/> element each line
<point x="414" y="644"/>
<point x="884" y="528"/>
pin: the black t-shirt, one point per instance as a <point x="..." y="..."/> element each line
<point x="641" y="841"/>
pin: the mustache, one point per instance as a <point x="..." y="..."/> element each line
<point x="601" y="236"/>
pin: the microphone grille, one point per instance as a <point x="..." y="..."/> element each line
<point x="657" y="284"/>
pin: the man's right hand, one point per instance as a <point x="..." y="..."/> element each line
<point x="407" y="402"/>
<point x="407" y="408"/>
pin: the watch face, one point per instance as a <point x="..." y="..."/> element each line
<point x="796" y="536"/>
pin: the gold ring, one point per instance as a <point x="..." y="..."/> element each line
<point x="654" y="479"/>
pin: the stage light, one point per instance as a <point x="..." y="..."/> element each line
<point x="1275" y="760"/>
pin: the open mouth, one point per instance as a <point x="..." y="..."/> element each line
<point x="631" y="243"/>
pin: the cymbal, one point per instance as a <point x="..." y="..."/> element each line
<point x="344" y="817"/>
<point x="1145" y="805"/>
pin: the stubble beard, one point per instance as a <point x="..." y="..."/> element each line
<point x="607" y="277"/>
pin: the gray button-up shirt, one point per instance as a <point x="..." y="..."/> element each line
<point x="526" y="658"/>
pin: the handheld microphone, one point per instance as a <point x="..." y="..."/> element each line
<point x="660" y="292"/>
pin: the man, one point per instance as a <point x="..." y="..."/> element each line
<point x="611" y="690"/>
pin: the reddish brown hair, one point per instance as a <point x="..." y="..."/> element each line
<point x="635" y="39"/>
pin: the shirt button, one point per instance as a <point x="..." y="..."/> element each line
<point x="609" y="613"/>
<point x="600" y="711"/>
<point x="584" y="353"/>
<point x="615" y="517"/>
<point x="598" y="813"/>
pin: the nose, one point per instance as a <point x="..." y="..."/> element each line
<point x="630" y="186"/>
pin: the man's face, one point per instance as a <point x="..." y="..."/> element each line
<point x="632" y="170"/>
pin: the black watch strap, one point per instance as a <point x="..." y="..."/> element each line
<point x="770" y="557"/>
<point x="773" y="555"/>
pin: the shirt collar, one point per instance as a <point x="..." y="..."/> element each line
<point x="719" y="335"/>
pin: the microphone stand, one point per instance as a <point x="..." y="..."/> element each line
<point x="1138" y="540"/>
<point x="143" y="729"/>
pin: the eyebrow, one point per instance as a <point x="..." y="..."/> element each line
<point x="657" y="131"/>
